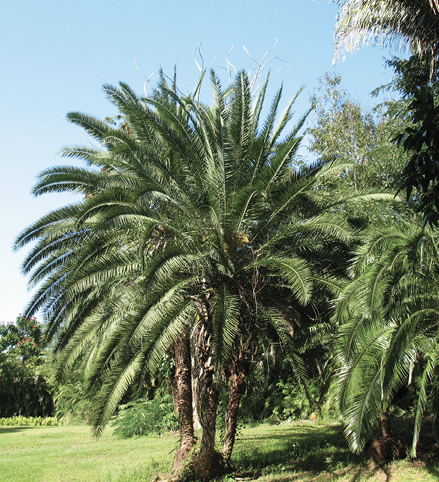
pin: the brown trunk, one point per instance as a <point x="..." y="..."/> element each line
<point x="238" y="373"/>
<point x="385" y="423"/>
<point x="195" y="390"/>
<point x="207" y="464"/>
<point x="182" y="395"/>
<point x="387" y="447"/>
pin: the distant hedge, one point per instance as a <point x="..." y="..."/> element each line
<point x="29" y="421"/>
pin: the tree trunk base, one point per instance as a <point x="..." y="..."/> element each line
<point x="180" y="458"/>
<point x="386" y="449"/>
<point x="195" y="469"/>
<point x="209" y="471"/>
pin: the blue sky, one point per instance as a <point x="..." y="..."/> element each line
<point x="55" y="56"/>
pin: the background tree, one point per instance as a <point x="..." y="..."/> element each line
<point x="342" y="131"/>
<point x="22" y="337"/>
<point x="420" y="141"/>
<point x="24" y="388"/>
<point x="414" y="117"/>
<point x="415" y="24"/>
<point x="362" y="140"/>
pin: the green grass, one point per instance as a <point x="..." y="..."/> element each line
<point x="313" y="451"/>
<point x="67" y="454"/>
<point x="300" y="451"/>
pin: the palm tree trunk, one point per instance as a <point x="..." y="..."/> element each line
<point x="208" y="464"/>
<point x="182" y="395"/>
<point x="238" y="374"/>
<point x="385" y="423"/>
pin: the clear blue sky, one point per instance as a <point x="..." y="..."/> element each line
<point x="56" y="55"/>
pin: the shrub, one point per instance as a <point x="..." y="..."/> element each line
<point x="73" y="404"/>
<point x="142" y="417"/>
<point x="29" y="421"/>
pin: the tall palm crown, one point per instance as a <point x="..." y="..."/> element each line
<point x="194" y="218"/>
<point x="398" y="22"/>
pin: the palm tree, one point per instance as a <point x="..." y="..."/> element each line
<point x="388" y="316"/>
<point x="194" y="229"/>
<point x="92" y="269"/>
<point x="401" y="23"/>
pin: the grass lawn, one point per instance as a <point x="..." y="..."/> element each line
<point x="300" y="451"/>
<point x="313" y="451"/>
<point x="67" y="454"/>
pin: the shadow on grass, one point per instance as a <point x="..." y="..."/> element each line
<point x="8" y="429"/>
<point x="305" y="451"/>
<point x="287" y="444"/>
<point x="317" y="452"/>
<point x="431" y="461"/>
<point x="353" y="474"/>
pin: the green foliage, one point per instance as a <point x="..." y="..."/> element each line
<point x="22" y="337"/>
<point x="410" y="75"/>
<point x="343" y="132"/>
<point x="288" y="401"/>
<point x="415" y="122"/>
<point x="421" y="141"/>
<point x="24" y="390"/>
<point x="30" y="421"/>
<point x="142" y="417"/>
<point x="23" y="385"/>
<point x="73" y="403"/>
<point x="273" y="393"/>
<point x="362" y="141"/>
<point x="388" y="320"/>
